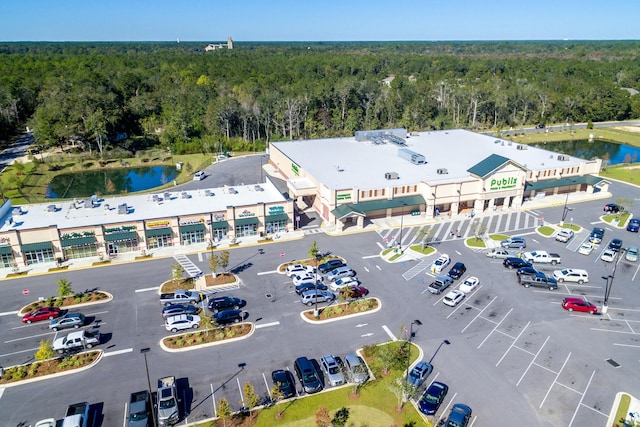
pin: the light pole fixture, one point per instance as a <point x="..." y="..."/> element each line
<point x="609" y="282"/>
<point x="144" y="352"/>
<point x="415" y="322"/>
<point x="447" y="342"/>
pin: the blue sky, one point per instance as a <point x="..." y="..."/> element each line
<point x="309" y="20"/>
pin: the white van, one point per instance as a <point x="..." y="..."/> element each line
<point x="571" y="275"/>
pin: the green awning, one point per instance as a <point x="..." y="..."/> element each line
<point x="563" y="182"/>
<point x="277" y="217"/>
<point x="220" y="224"/>
<point x="157" y="232"/>
<point x="374" y="205"/>
<point x="78" y="241"/>
<point x="5" y="250"/>
<point x="40" y="246"/>
<point x="118" y="237"/>
<point x="191" y="227"/>
<point x="245" y="221"/>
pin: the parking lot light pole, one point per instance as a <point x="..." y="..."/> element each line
<point x="566" y="208"/>
<point x="315" y="281"/>
<point x="401" y="226"/>
<point x="415" y="322"/>
<point x="144" y="352"/>
<point x="609" y="282"/>
<point x="447" y="342"/>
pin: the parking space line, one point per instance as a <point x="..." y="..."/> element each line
<point x="536" y="364"/>
<point x="479" y="314"/>
<point x="446" y="408"/>
<point x="388" y="331"/>
<point x="241" y="394"/>
<point x="617" y="332"/>
<point x="464" y="303"/>
<point x="513" y="344"/>
<point x="627" y="345"/>
<point x="532" y="361"/>
<point x="266" y="384"/>
<point x="569" y="388"/>
<point x="498" y="324"/>
<point x="524" y="350"/>
<point x="506" y="334"/>
<point x="582" y="398"/>
<point x="554" y="381"/>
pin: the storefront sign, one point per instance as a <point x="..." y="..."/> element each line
<point x="218" y="217"/>
<point x="273" y="210"/>
<point x="343" y="196"/>
<point x="191" y="221"/>
<point x="245" y="213"/>
<point x="4" y="241"/>
<point x="503" y="183"/>
<point x="157" y="224"/>
<point x="294" y="168"/>
<point x="121" y="229"/>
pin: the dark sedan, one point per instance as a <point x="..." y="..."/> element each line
<point x="615" y="245"/>
<point x="634" y="225"/>
<point x="514" y="262"/>
<point x="285" y="382"/>
<point x="228" y="316"/>
<point x="326" y="267"/>
<point x="307" y="286"/>
<point x="433" y="397"/>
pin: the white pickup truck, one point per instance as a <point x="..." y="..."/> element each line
<point x="76" y="341"/>
<point x="542" y="257"/>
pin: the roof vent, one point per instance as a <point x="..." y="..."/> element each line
<point x="412" y="156"/>
<point x="442" y="171"/>
<point x="339" y="169"/>
<point x="391" y="175"/>
<point x="521" y="147"/>
<point x="563" y="158"/>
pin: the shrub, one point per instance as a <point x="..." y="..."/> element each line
<point x="370" y="350"/>
<point x="180" y="343"/>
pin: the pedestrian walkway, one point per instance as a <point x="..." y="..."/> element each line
<point x="189" y="267"/>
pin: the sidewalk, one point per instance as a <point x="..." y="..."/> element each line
<point x="373" y="225"/>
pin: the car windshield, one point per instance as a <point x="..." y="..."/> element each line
<point x="334" y="370"/>
<point x="167" y="404"/>
<point x="309" y="378"/>
<point x="431" y="399"/>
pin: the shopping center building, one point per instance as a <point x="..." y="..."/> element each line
<point x="385" y="173"/>
<point x="95" y="226"/>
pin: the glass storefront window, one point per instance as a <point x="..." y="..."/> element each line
<point x="7" y="260"/>
<point x="129" y="245"/>
<point x="246" y="230"/>
<point x="191" y="237"/>
<point x="36" y="257"/>
<point x="276" y="226"/>
<point x="219" y="234"/>
<point x="159" y="242"/>
<point x="82" y="251"/>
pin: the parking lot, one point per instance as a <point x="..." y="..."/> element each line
<point x="509" y="345"/>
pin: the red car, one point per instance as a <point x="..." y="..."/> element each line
<point x="356" y="291"/>
<point x="43" y="313"/>
<point x="579" y="304"/>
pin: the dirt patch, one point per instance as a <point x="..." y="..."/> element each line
<point x="220" y="279"/>
<point x="628" y="128"/>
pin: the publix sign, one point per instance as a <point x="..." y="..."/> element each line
<point x="502" y="183"/>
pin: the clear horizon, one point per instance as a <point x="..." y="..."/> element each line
<point x="331" y="21"/>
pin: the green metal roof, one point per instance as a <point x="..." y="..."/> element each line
<point x="5" y="250"/>
<point x="245" y="221"/>
<point x="361" y="208"/>
<point x="563" y="182"/>
<point x="40" y="246"/>
<point x="219" y="224"/>
<point x="78" y="241"/>
<point x="191" y="227"/>
<point x="157" y="232"/>
<point x="276" y="217"/>
<point x="488" y="165"/>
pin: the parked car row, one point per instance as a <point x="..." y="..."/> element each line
<point x="314" y="377"/>
<point x="431" y="400"/>
<point x="225" y="310"/>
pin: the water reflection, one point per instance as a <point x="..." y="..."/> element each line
<point x="109" y="181"/>
<point x="612" y="152"/>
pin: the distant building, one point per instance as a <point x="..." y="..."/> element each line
<point x="214" y="46"/>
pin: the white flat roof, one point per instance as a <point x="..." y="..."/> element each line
<point x="142" y="207"/>
<point x="343" y="163"/>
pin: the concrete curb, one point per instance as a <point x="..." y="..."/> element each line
<point x="210" y="344"/>
<point x="57" y="374"/>
<point x="335" y="319"/>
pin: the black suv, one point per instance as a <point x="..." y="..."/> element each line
<point x="307" y="375"/>
<point x="514" y="262"/>
<point x="613" y="208"/>
<point x="457" y="270"/>
<point x="326" y="267"/>
<point x="228" y="316"/>
<point x="596" y="235"/>
<point x="216" y="304"/>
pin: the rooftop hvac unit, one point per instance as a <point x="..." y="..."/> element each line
<point x="563" y="158"/>
<point x="123" y="209"/>
<point x="391" y="175"/>
<point x="412" y="156"/>
<point x="521" y="147"/>
<point x="442" y="171"/>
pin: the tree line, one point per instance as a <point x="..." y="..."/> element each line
<point x="105" y="96"/>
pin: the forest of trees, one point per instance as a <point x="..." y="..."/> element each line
<point x="187" y="100"/>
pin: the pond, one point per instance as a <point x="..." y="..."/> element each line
<point x="109" y="181"/>
<point x="611" y="153"/>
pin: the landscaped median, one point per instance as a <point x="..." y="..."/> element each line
<point x="343" y="310"/>
<point x="194" y="340"/>
<point x="49" y="368"/>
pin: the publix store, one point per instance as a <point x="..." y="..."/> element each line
<point x="31" y="234"/>
<point x="385" y="173"/>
